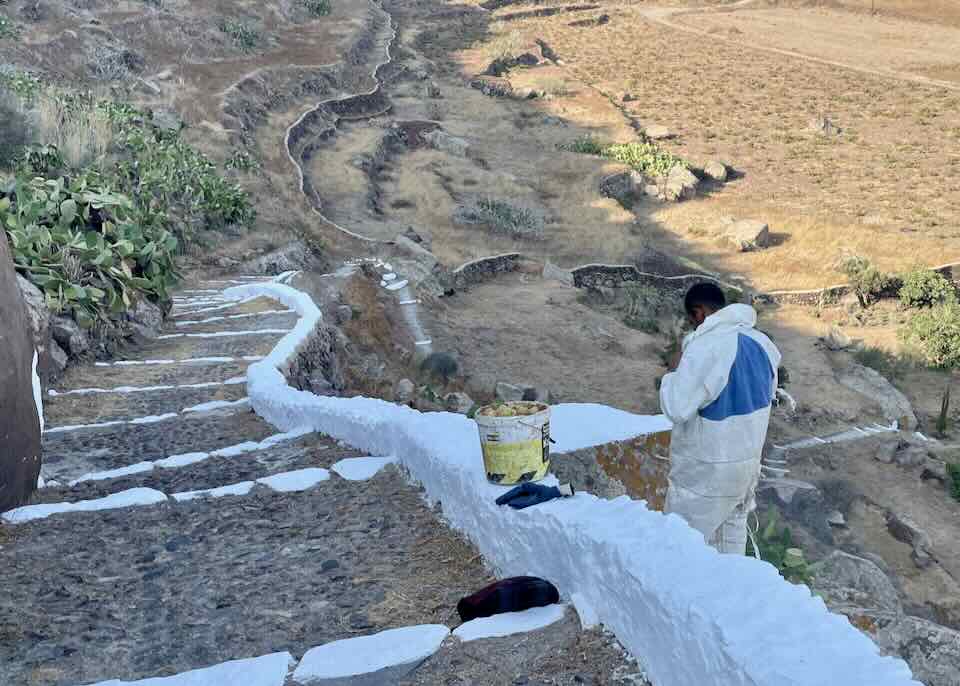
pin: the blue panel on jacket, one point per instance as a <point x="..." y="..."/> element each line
<point x="749" y="387"/>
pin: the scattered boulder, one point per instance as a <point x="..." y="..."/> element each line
<point x="440" y="367"/>
<point x="715" y="171"/>
<point x="931" y="650"/>
<point x="907" y="531"/>
<point x="622" y="186"/>
<point x="680" y="184"/>
<point x="885" y="453"/>
<point x="870" y="383"/>
<point x="344" y="314"/>
<point x="628" y="97"/>
<point x="911" y="456"/>
<point x="291" y="257"/>
<point x="506" y="392"/>
<point x="404" y="391"/>
<point x="555" y="273"/>
<point x="837" y="340"/>
<point x="444" y="142"/>
<point x="69" y="335"/>
<point x="837" y="519"/>
<point x="20" y="456"/>
<point x="57" y="357"/>
<point x="658" y="132"/>
<point x="493" y="86"/>
<point x="934" y="469"/>
<point x="166" y="119"/>
<point x="145" y="319"/>
<point x="747" y="235"/>
<point x="458" y="402"/>
<point x="431" y="90"/>
<point x="38" y="322"/>
<point x="846" y="582"/>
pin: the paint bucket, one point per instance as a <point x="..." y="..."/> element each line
<point x="515" y="448"/>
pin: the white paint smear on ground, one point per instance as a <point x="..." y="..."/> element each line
<point x="246" y="315"/>
<point x="691" y="615"/>
<point x="367" y="654"/>
<point x="150" y="419"/>
<point x="217" y="405"/>
<point x="266" y="670"/>
<point x="510" y="623"/>
<point x="241" y="488"/>
<point x="297" y="480"/>
<point x="128" y="498"/>
<point x="361" y="468"/>
<point x="232" y="381"/>
<point x="138" y="468"/>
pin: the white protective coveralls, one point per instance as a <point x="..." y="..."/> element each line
<point x="719" y="401"/>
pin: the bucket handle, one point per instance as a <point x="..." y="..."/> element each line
<point x="535" y="428"/>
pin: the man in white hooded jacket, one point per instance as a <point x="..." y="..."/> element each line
<point x="718" y="396"/>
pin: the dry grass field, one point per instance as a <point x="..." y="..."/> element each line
<point x="884" y="186"/>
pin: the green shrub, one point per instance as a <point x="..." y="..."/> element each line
<point x="90" y="250"/>
<point x="924" y="287"/>
<point x="647" y="325"/>
<point x="953" y="473"/>
<point x="23" y="84"/>
<point x="242" y="34"/>
<point x="644" y="156"/>
<point x="867" y="281"/>
<point x="317" y="8"/>
<point x="241" y="160"/>
<point x="935" y="334"/>
<point x="774" y="542"/>
<point x="502" y="217"/>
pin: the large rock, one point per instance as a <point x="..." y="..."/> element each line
<point x="291" y="257"/>
<point x="680" y="184"/>
<point x="622" y="186"/>
<point x="145" y="318"/>
<point x="19" y="392"/>
<point x="716" y="171"/>
<point x="444" y="142"/>
<point x="458" y="402"/>
<point x="38" y="321"/>
<point x="904" y="529"/>
<point x="847" y="582"/>
<point x="931" y="650"/>
<point x="68" y="334"/>
<point x="748" y="234"/>
<point x="658" y="132"/>
<point x="870" y="383"/>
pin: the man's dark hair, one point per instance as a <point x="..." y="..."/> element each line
<point x="705" y="294"/>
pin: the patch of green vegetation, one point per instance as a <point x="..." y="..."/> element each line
<point x="645" y="157"/>
<point x="923" y="287"/>
<point x="243" y="161"/>
<point x="866" y="279"/>
<point x="91" y="250"/>
<point x="7" y="28"/>
<point x="23" y="84"/>
<point x="953" y="474"/>
<point x="647" y="325"/>
<point x="935" y="334"/>
<point x="317" y="8"/>
<point x="502" y="217"/>
<point x="242" y="34"/>
<point x="778" y="548"/>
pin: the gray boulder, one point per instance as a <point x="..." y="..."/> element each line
<point x="846" y="582"/>
<point x="166" y="119"/>
<point x="836" y="340"/>
<point x="507" y="392"/>
<point x="38" y="321"/>
<point x="68" y="334"/>
<point x="871" y="384"/>
<point x="680" y="184"/>
<point x="622" y="186"/>
<point x="20" y="456"/>
<point x="145" y="318"/>
<point x="58" y="359"/>
<point x="444" y="142"/>
<point x="931" y="650"/>
<point x="290" y="257"/>
<point x="658" y="132"/>
<point x="458" y="402"/>
<point x="715" y="171"/>
<point x="404" y="391"/>
<point x="747" y="235"/>
<point x="904" y="529"/>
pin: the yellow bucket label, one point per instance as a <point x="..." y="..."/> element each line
<point x="510" y="463"/>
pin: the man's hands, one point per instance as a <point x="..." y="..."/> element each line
<point x="674" y="360"/>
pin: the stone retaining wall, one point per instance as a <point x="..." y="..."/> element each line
<point x="478" y="271"/>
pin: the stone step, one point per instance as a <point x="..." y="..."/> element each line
<point x="162" y="589"/>
<point x="212" y="322"/>
<point x="213" y="471"/>
<point x="89" y="408"/>
<point x="71" y="454"/>
<point x="251" y="340"/>
<point x="199" y="310"/>
<point x="156" y="371"/>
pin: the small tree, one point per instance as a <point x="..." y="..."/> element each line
<point x="924" y="287"/>
<point x="866" y="279"/>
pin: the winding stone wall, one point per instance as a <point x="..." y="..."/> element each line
<point x="478" y="271"/>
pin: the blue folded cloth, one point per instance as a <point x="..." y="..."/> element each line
<point x="527" y="494"/>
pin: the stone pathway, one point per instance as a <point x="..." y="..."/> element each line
<point x="299" y="546"/>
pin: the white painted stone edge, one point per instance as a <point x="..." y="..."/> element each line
<point x="690" y="615"/>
